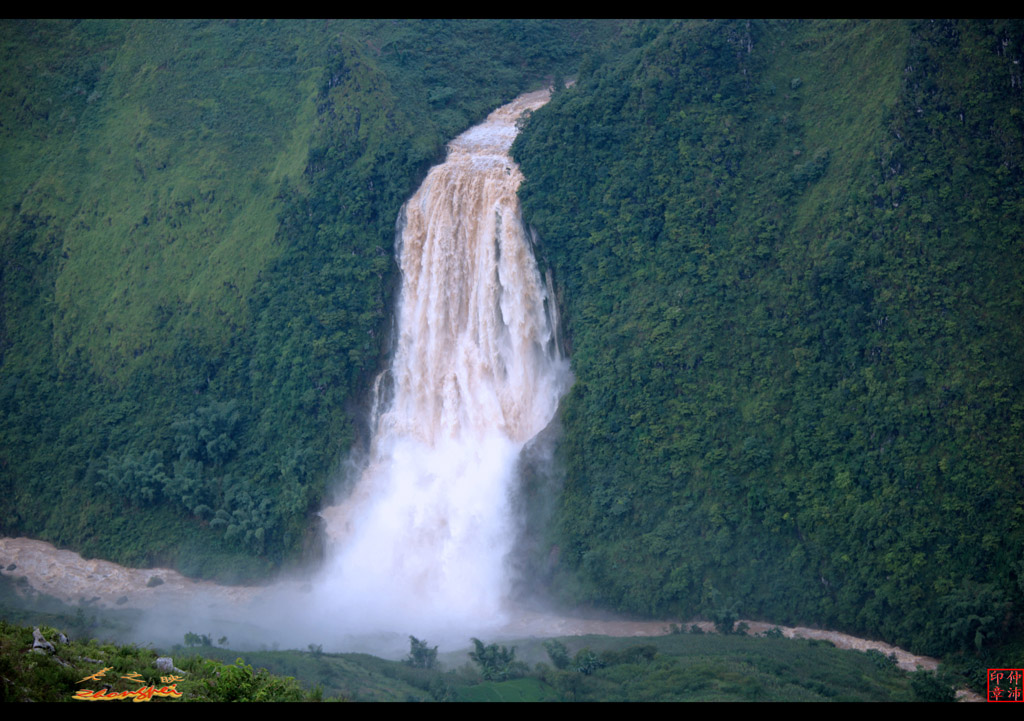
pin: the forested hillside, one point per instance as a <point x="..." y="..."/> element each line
<point x="197" y="230"/>
<point x="791" y="257"/>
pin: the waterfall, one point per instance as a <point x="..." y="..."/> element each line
<point x="421" y="543"/>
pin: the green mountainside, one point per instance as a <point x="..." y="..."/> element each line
<point x="197" y="229"/>
<point x="788" y="256"/>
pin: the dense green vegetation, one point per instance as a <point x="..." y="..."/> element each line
<point x="197" y="228"/>
<point x="71" y="667"/>
<point x="669" y="668"/>
<point x="788" y="256"/>
<point x="694" y="666"/>
<point x="790" y="260"/>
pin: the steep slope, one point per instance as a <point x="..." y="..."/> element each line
<point x="197" y="226"/>
<point x="789" y="255"/>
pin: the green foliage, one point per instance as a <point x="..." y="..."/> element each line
<point x="194" y="639"/>
<point x="420" y="654"/>
<point x="789" y="306"/>
<point x="496" y="663"/>
<point x="207" y="435"/>
<point x="57" y="676"/>
<point x="636" y="654"/>
<point x="586" y="662"/>
<point x="717" y="668"/>
<point x="973" y="614"/>
<point x="558" y="654"/>
<point x="881" y="660"/>
<point x="241" y="683"/>
<point x="196" y="226"/>
<point x="518" y="690"/>
<point x="723" y="613"/>
<point x="785" y="253"/>
<point x="931" y="687"/>
<point x="667" y="668"/>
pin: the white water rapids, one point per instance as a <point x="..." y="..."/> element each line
<point x="422" y="541"/>
<point x="421" y="545"/>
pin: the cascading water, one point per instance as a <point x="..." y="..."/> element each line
<point x="421" y="544"/>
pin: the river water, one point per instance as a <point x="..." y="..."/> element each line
<point x="67" y="576"/>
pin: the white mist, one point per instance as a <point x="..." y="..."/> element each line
<point x="421" y="544"/>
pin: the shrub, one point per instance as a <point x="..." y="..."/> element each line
<point x="928" y="686"/>
<point x="497" y="663"/>
<point x="558" y="654"/>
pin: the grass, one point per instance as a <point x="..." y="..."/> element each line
<point x="170" y="161"/>
<point x="75" y="667"/>
<point x="680" y="667"/>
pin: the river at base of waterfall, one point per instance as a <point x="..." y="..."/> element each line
<point x="72" y="579"/>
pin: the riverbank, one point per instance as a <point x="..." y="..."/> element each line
<point x="72" y="579"/>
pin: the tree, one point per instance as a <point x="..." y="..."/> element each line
<point x="195" y="639"/>
<point x="586" y="662"/>
<point x="497" y="663"/>
<point x="558" y="654"/>
<point x="972" y="614"/>
<point x="420" y="655"/>
<point x="929" y="686"/>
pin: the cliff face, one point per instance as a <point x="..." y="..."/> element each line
<point x="790" y="261"/>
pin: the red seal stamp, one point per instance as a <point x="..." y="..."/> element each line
<point x="1005" y="684"/>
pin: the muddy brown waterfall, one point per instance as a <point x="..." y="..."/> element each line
<point x="422" y="541"/>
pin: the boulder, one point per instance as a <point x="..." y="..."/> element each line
<point x="40" y="642"/>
